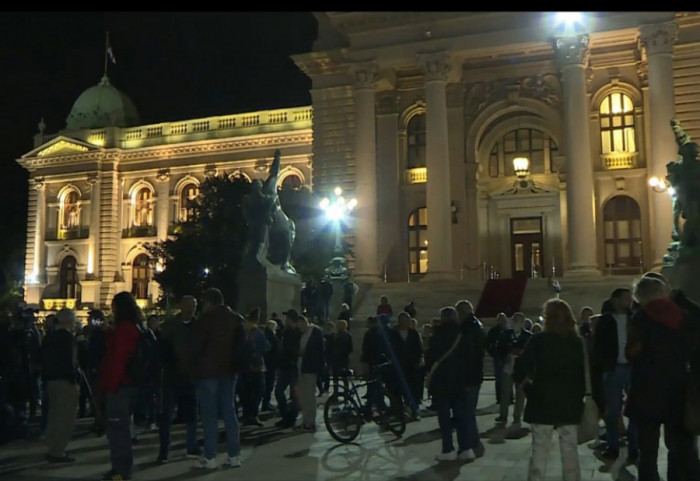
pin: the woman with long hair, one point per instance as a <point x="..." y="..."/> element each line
<point x="118" y="382"/>
<point x="551" y="370"/>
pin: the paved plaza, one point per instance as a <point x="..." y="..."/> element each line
<point x="272" y="454"/>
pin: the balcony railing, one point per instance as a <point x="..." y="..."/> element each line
<point x="58" y="304"/>
<point x="69" y="234"/>
<point x="419" y="175"/>
<point x="619" y="160"/>
<point x="139" y="231"/>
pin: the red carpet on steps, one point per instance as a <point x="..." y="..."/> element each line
<point x="501" y="295"/>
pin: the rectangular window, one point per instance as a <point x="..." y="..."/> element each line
<point x="618" y="144"/>
<point x="526" y="226"/>
<point x="519" y="258"/>
<point x="605" y="139"/>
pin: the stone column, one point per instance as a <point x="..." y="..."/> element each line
<point x="389" y="217"/>
<point x="438" y="197"/>
<point x="94" y="253"/>
<point x="39" y="233"/>
<point x="572" y="56"/>
<point x="658" y="43"/>
<point x="163" y="204"/>
<point x="366" y="268"/>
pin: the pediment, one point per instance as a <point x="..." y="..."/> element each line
<point x="60" y="145"/>
<point x="529" y="187"/>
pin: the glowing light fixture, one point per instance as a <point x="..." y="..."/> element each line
<point x="658" y="184"/>
<point x="337" y="208"/>
<point x="521" y="166"/>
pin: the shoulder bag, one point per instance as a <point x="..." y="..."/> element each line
<point x="588" y="428"/>
<point x="436" y="364"/>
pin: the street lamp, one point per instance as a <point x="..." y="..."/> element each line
<point x="521" y="166"/>
<point x="660" y="185"/>
<point x="337" y="209"/>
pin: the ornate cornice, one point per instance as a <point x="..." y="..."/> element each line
<point x="572" y="50"/>
<point x="658" y="38"/>
<point x="435" y="66"/>
<point x="364" y="75"/>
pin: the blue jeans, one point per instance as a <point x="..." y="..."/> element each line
<point x="472" y="399"/>
<point x="286" y="378"/>
<point x="449" y="407"/>
<point x="182" y="395"/>
<point x="498" y="375"/>
<point x="615" y="383"/>
<point x="215" y="397"/>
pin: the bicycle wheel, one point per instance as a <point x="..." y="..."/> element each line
<point x="392" y="415"/>
<point x="342" y="417"/>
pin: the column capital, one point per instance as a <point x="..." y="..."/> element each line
<point x="38" y="183"/>
<point x="435" y="66"/>
<point x="643" y="73"/>
<point x="364" y="74"/>
<point x="163" y="175"/>
<point x="93" y="178"/>
<point x="658" y="38"/>
<point x="571" y="50"/>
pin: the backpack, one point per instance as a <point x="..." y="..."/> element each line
<point x="137" y="368"/>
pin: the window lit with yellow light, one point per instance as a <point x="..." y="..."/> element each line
<point x="617" y="124"/>
<point x="69" y="211"/>
<point x="188" y="194"/>
<point x="143" y="207"/>
<point x="415" y="140"/>
<point x="418" y="241"/>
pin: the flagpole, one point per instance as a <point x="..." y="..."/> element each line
<point x="106" y="47"/>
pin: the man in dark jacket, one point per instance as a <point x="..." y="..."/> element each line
<point x="219" y="337"/>
<point x="287" y="371"/>
<point x="60" y="371"/>
<point x="492" y="348"/>
<point x="271" y="359"/>
<point x="609" y="341"/>
<point x="473" y="332"/>
<point x="325" y="296"/>
<point x="448" y="385"/>
<point x="511" y="344"/>
<point x="311" y="362"/>
<point x="178" y="385"/>
<point x="661" y="340"/>
<point x="409" y="352"/>
<point x="342" y="348"/>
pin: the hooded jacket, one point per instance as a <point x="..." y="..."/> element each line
<point x="658" y="350"/>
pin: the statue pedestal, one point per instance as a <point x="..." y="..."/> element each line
<point x="683" y="275"/>
<point x="267" y="287"/>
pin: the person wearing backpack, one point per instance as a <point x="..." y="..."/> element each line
<point x="219" y="342"/>
<point x="119" y="372"/>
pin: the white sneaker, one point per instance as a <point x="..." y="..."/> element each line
<point x="233" y="461"/>
<point x="467" y="455"/>
<point x="204" y="463"/>
<point x="451" y="456"/>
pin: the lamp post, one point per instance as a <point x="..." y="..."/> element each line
<point x="337" y="209"/>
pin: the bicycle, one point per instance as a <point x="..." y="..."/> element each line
<point x="345" y="412"/>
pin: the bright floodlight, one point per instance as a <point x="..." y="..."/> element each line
<point x="338" y="191"/>
<point x="568" y="19"/>
<point x="338" y="207"/>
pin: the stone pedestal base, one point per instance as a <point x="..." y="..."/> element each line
<point x="683" y="275"/>
<point x="269" y="288"/>
<point x="90" y="292"/>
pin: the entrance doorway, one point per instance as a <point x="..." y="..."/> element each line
<point x="526" y="247"/>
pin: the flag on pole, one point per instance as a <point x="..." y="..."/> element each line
<point x="109" y="51"/>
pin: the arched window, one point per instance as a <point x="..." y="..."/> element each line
<point x="617" y="124"/>
<point x="415" y="139"/>
<point x="291" y="182"/>
<point x="531" y="143"/>
<point x="188" y="193"/>
<point x="418" y="241"/>
<point x="68" y="284"/>
<point x="141" y="270"/>
<point x="70" y="210"/>
<point x="143" y="207"/>
<point x="623" y="234"/>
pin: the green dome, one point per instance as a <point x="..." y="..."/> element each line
<point x="102" y="106"/>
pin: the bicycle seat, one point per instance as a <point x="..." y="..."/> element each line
<point x="347" y="373"/>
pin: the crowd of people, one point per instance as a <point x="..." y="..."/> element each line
<point x="209" y="364"/>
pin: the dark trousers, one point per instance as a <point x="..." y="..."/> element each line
<point x="498" y="374"/>
<point x="83" y="397"/>
<point x="323" y="380"/>
<point x="452" y="414"/>
<point x="183" y="396"/>
<point x="683" y="464"/>
<point x="269" y="385"/>
<point x="148" y="403"/>
<point x="472" y="399"/>
<point x="335" y="370"/>
<point x="120" y="407"/>
<point x="253" y="391"/>
<point x="287" y="378"/>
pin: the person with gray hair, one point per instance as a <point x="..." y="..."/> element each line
<point x="60" y="371"/>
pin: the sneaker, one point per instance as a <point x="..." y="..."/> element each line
<point x="59" y="459"/>
<point x="162" y="459"/>
<point x="499" y="420"/>
<point x="112" y="476"/>
<point x="308" y="429"/>
<point x="467" y="455"/>
<point x="233" y="461"/>
<point x="451" y="456"/>
<point x="610" y="454"/>
<point x="204" y="463"/>
<point x="479" y="451"/>
<point x="196" y="454"/>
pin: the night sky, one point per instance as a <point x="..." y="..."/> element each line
<point x="174" y="66"/>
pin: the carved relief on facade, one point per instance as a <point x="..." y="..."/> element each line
<point x="482" y="94"/>
<point x="364" y="75"/>
<point x="658" y="38"/>
<point x="163" y="175"/>
<point x="572" y="50"/>
<point x="38" y="183"/>
<point x="643" y="73"/>
<point x="435" y="66"/>
<point x="210" y="170"/>
<point x="388" y="103"/>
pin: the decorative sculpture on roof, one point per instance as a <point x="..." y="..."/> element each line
<point x="684" y="177"/>
<point x="271" y="231"/>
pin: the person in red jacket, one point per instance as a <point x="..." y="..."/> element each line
<point x="120" y="348"/>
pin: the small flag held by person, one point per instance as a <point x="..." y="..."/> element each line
<point x="110" y="53"/>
